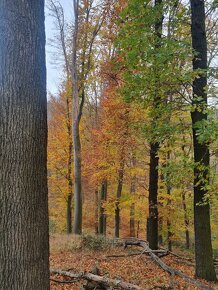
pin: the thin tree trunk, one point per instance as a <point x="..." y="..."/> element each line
<point x="77" y="113"/>
<point x="132" y="206"/>
<point x="77" y="180"/>
<point x="118" y="196"/>
<point x="152" y="223"/>
<point x="58" y="13"/>
<point x="138" y="229"/>
<point x="69" y="170"/>
<point x="186" y="221"/>
<point x="24" y="249"/>
<point x="203" y="247"/>
<point x="102" y="215"/>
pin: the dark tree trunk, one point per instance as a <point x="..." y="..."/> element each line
<point x="24" y="246"/>
<point x="138" y="229"/>
<point x="186" y="221"/>
<point x="203" y="247"/>
<point x="117" y="206"/>
<point x="69" y="213"/>
<point x="132" y="206"/>
<point x="152" y="223"/>
<point x="102" y="214"/>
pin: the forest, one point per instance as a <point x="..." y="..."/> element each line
<point x="110" y="183"/>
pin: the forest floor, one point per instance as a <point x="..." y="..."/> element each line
<point x="69" y="253"/>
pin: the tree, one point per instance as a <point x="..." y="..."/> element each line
<point x="87" y="24"/>
<point x="23" y="128"/>
<point x="57" y="13"/>
<point x="203" y="247"/>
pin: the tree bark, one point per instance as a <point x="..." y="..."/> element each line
<point x="152" y="221"/>
<point x="24" y="246"/>
<point x="203" y="247"/>
<point x="77" y="113"/>
<point x="77" y="180"/>
<point x="69" y="168"/>
<point x="186" y="221"/>
<point x="102" y="214"/>
<point x="132" y="206"/>
<point x="117" y="206"/>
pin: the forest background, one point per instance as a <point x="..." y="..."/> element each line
<point x="131" y="121"/>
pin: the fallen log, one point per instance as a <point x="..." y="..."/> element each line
<point x="164" y="266"/>
<point x="99" y="279"/>
<point x="137" y="254"/>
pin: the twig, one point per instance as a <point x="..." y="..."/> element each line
<point x="63" y="282"/>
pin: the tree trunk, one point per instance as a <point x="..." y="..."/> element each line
<point x="117" y="206"/>
<point x="69" y="213"/>
<point x="77" y="113"/>
<point x="102" y="215"/>
<point x="152" y="223"/>
<point x="132" y="206"/>
<point x="203" y="247"/>
<point x="69" y="169"/>
<point x="186" y="221"/>
<point x="24" y="246"/>
<point x="77" y="180"/>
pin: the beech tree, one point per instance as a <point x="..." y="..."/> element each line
<point x="57" y="12"/>
<point x="203" y="247"/>
<point x="23" y="129"/>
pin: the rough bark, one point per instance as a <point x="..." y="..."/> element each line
<point x="23" y="132"/>
<point x="203" y="247"/>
